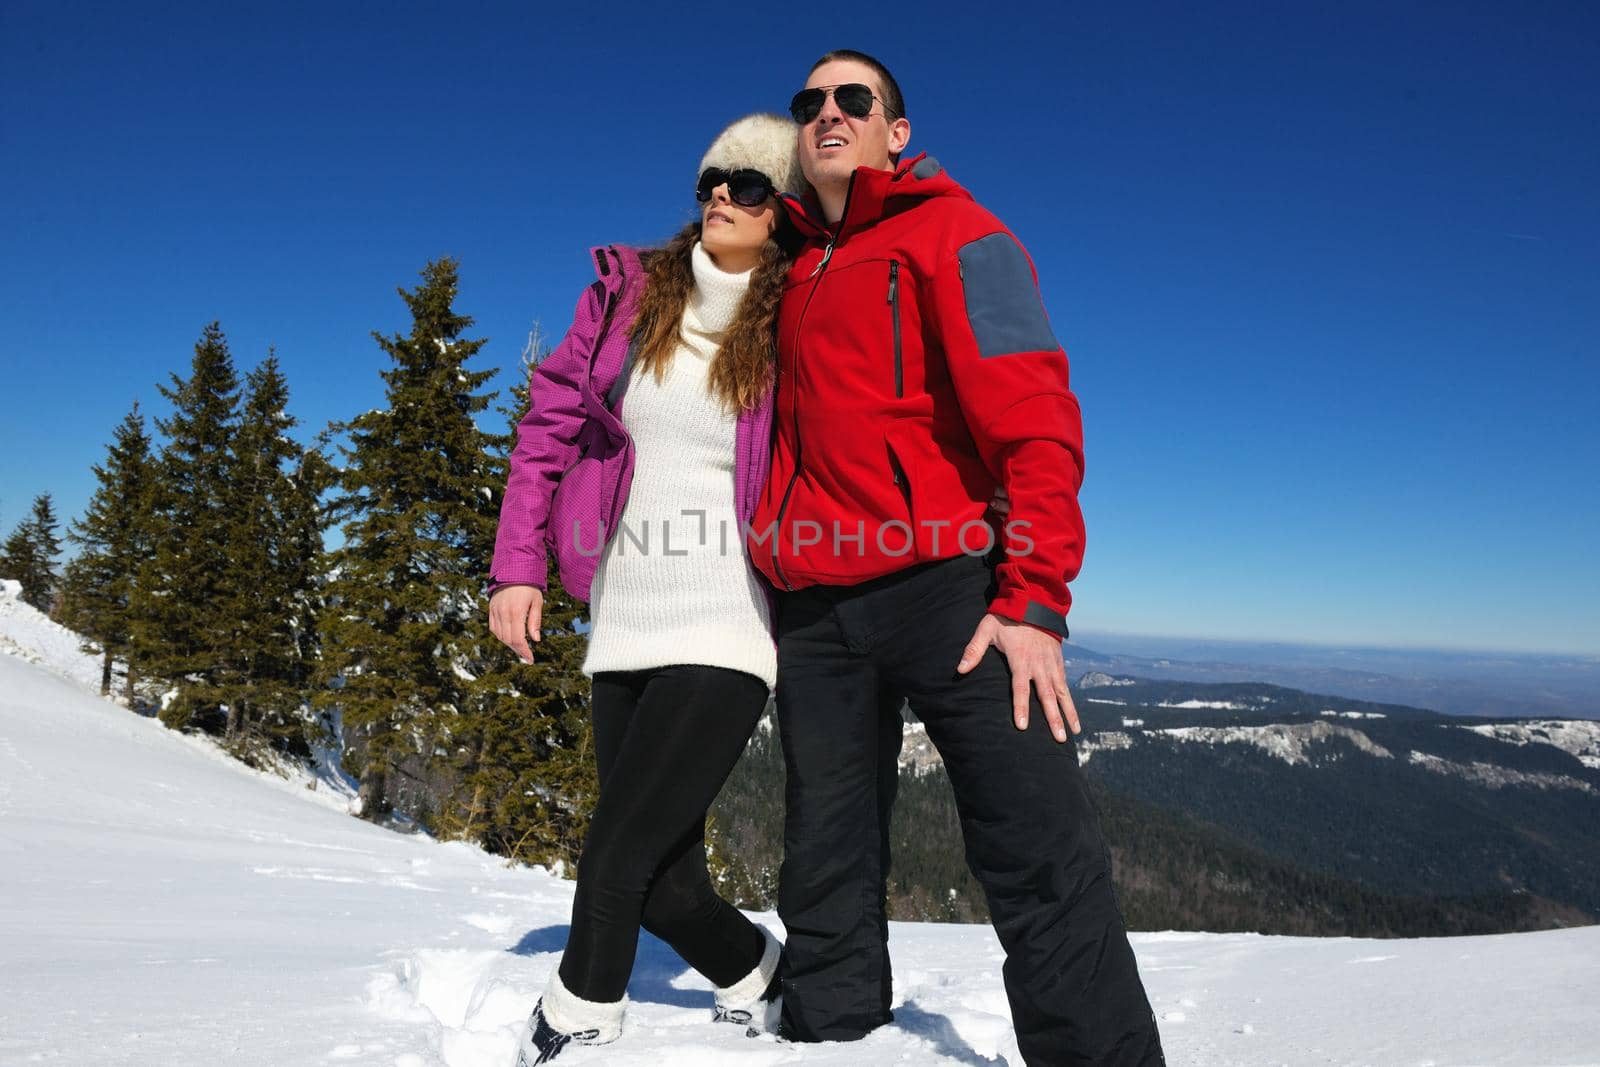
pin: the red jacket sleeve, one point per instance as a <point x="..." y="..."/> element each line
<point x="1010" y="377"/>
<point x="547" y="444"/>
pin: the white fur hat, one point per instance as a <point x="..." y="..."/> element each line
<point x="763" y="142"/>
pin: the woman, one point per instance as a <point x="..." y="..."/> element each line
<point x="639" y="460"/>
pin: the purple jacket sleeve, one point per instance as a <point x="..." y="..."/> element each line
<point x="547" y="444"/>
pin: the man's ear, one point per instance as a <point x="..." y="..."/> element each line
<point x="899" y="136"/>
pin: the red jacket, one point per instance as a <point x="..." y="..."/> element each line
<point x="917" y="371"/>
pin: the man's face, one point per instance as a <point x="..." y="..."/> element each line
<point x="834" y="144"/>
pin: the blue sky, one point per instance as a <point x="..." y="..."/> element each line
<point x="1329" y="277"/>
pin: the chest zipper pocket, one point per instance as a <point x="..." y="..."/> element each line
<point x="894" y="314"/>
<point x="897" y="472"/>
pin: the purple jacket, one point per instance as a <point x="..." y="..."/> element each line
<point x="573" y="462"/>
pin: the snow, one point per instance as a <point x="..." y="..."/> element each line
<point x="1220" y="705"/>
<point x="1330" y="713"/>
<point x="917" y="753"/>
<point x="162" y="904"/>
<point x="1289" y="742"/>
<point x="1099" y="678"/>
<point x="1580" y="738"/>
<point x="27" y="633"/>
<point x="1496" y="777"/>
<point x="1104" y="741"/>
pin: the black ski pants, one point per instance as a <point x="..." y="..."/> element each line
<point x="847" y="656"/>
<point x="665" y="740"/>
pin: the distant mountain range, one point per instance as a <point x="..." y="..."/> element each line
<point x="1252" y="806"/>
<point x="1459" y="683"/>
<point x="1395" y="798"/>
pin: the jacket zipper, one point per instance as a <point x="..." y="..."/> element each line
<point x="583" y="453"/>
<point x="615" y="407"/>
<point x="894" y="305"/>
<point x="794" y="392"/>
<point x="794" y="408"/>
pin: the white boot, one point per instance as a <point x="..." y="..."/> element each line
<point x="561" y="1019"/>
<point x="756" y="1000"/>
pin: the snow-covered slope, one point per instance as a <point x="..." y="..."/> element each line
<point x="160" y="904"/>
<point x="27" y="633"/>
<point x="1580" y="738"/>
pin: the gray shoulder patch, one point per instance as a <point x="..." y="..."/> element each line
<point x="1003" y="303"/>
<point x="927" y="167"/>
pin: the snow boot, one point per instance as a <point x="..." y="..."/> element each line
<point x="560" y="1019"/>
<point x="755" y="1001"/>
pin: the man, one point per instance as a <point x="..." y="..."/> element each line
<point x="917" y="375"/>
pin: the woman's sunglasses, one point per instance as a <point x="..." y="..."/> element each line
<point x="748" y="188"/>
<point x="853" y="98"/>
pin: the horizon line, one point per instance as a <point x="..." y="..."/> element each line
<point x="1590" y="655"/>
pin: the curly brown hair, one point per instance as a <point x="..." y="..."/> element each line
<point x="742" y="371"/>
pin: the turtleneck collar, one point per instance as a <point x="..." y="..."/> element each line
<point x="717" y="293"/>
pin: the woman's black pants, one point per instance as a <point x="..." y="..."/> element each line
<point x="666" y="740"/>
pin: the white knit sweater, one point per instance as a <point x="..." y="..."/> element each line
<point x="673" y="587"/>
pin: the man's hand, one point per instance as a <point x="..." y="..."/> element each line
<point x="1000" y="503"/>
<point x="1035" y="660"/>
<point x="515" y="612"/>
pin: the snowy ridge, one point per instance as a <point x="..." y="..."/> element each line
<point x="1098" y="679"/>
<point x="1104" y="741"/>
<point x="1580" y="738"/>
<point x="917" y="753"/>
<point x="1492" y="776"/>
<point x="1289" y="742"/>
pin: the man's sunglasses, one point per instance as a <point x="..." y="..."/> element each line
<point x="853" y="98"/>
<point x="748" y="188"/>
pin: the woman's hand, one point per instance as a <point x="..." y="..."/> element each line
<point x="1000" y="503"/>
<point x="514" y="614"/>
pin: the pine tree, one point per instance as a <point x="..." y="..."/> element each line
<point x="47" y="536"/>
<point x="178" y="604"/>
<point x="406" y="636"/>
<point x="268" y="599"/>
<point x="305" y="519"/>
<point x="16" y="554"/>
<point x="29" y="554"/>
<point x="115" y="537"/>
<point x="527" y="776"/>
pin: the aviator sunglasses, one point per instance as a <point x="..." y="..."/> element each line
<point x="747" y="188"/>
<point x="853" y="98"/>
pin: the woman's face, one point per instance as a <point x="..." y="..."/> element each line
<point x="732" y="233"/>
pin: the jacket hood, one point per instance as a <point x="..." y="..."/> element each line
<point x="875" y="194"/>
